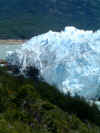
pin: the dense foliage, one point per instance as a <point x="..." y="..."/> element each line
<point x="23" y="19"/>
<point x="32" y="106"/>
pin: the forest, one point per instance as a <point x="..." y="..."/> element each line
<point x="29" y="105"/>
<point x="20" y="19"/>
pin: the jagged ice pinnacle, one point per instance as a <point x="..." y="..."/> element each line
<point x="69" y="59"/>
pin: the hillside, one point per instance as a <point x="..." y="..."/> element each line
<point x="32" y="106"/>
<point x="24" y="19"/>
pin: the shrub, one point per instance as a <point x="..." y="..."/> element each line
<point x="32" y="72"/>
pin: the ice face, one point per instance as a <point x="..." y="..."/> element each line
<point x="69" y="59"/>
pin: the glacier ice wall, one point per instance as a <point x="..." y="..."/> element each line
<point x="69" y="59"/>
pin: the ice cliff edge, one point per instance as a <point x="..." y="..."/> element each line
<point x="69" y="59"/>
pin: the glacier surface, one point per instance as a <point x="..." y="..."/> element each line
<point x="69" y="59"/>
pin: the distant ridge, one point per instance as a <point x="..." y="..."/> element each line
<point x="20" y="19"/>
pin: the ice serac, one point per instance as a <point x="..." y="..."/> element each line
<point x="69" y="59"/>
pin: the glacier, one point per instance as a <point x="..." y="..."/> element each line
<point x="69" y="59"/>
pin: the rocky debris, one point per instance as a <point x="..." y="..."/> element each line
<point x="3" y="62"/>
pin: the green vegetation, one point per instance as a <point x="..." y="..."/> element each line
<point x="20" y="19"/>
<point x="32" y="106"/>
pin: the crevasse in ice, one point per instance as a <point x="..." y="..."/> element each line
<point x="69" y="59"/>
